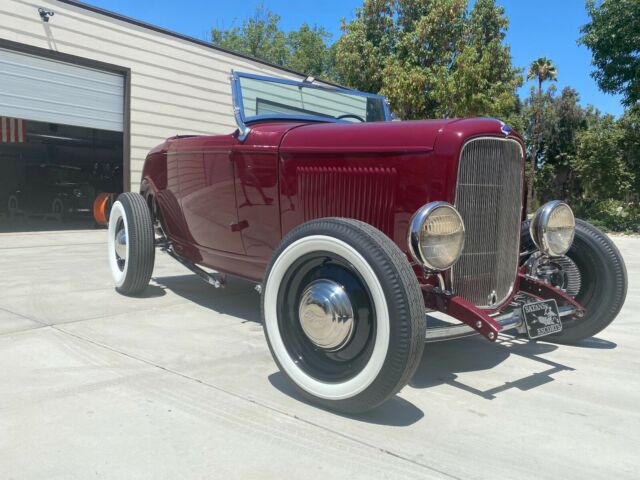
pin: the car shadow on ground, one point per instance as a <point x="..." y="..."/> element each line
<point x="237" y="299"/>
<point x="441" y="363"/>
<point x="152" y="291"/>
<point x="444" y="362"/>
<point x="396" y="412"/>
<point x="242" y="302"/>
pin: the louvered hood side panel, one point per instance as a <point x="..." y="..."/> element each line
<point x="362" y="193"/>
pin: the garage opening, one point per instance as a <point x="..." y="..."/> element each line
<point x="61" y="141"/>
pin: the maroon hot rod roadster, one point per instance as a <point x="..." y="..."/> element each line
<point x="354" y="226"/>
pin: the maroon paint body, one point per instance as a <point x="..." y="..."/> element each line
<point x="226" y="204"/>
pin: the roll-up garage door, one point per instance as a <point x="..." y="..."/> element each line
<point x="44" y="90"/>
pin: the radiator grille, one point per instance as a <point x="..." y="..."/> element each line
<point x="489" y="198"/>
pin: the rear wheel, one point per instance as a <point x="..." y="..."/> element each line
<point x="13" y="205"/>
<point x="131" y="248"/>
<point x="343" y="314"/>
<point x="57" y="208"/>
<point x="594" y="273"/>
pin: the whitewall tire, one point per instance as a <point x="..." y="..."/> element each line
<point x="130" y="245"/>
<point x="343" y="314"/>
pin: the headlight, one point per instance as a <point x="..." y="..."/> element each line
<point x="436" y="236"/>
<point x="553" y="227"/>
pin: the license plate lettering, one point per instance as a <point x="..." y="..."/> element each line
<point x="542" y="318"/>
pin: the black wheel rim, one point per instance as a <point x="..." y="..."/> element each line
<point x="328" y="366"/>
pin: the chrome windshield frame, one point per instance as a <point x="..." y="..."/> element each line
<point x="243" y="122"/>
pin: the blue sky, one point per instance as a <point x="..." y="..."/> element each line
<point x="538" y="28"/>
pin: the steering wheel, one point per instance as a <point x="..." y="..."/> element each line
<point x="351" y="115"/>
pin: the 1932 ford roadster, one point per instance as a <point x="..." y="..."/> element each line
<point x="354" y="226"/>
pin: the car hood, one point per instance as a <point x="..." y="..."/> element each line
<point x="391" y="137"/>
<point x="329" y="169"/>
<point x="396" y="137"/>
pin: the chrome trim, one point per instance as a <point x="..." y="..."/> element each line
<point x="238" y="107"/>
<point x="413" y="234"/>
<point x="242" y="121"/>
<point x="539" y="224"/>
<point x="509" y="321"/>
<point x="489" y="279"/>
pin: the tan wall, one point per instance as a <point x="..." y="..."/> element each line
<point x="177" y="86"/>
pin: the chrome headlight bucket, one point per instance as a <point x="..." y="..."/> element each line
<point x="553" y="227"/>
<point x="436" y="236"/>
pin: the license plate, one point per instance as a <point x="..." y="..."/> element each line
<point x="542" y="318"/>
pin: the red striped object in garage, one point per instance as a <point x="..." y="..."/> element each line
<point x="12" y="130"/>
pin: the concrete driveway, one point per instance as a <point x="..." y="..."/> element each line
<point x="180" y="384"/>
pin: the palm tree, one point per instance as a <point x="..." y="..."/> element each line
<point x="543" y="70"/>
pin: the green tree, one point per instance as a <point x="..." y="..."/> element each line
<point x="562" y="118"/>
<point x="260" y="36"/>
<point x="601" y="163"/>
<point x="569" y="118"/>
<point x="630" y="125"/>
<point x="607" y="165"/>
<point x="431" y="58"/>
<point x="538" y="118"/>
<point x="308" y="51"/>
<point x="613" y="36"/>
<point x="485" y="79"/>
<point x="541" y="70"/>
<point x="366" y="44"/>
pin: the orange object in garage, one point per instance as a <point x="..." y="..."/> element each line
<point x="102" y="207"/>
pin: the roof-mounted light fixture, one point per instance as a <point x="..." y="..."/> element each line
<point x="45" y="14"/>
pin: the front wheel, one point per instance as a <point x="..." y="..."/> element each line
<point x="594" y="273"/>
<point x="343" y="314"/>
<point x="131" y="248"/>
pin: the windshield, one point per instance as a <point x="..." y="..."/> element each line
<point x="264" y="98"/>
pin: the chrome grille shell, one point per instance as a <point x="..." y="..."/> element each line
<point x="489" y="198"/>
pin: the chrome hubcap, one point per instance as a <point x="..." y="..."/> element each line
<point x="121" y="243"/>
<point x="326" y="315"/>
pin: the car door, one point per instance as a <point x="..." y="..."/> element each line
<point x="207" y="194"/>
<point x="256" y="170"/>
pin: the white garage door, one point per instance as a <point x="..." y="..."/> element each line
<point x="36" y="88"/>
